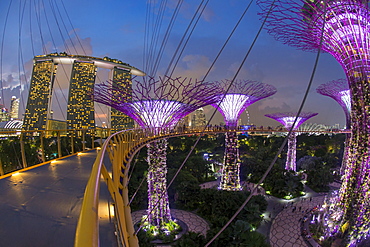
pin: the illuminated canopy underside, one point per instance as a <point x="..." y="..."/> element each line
<point x="232" y="106"/>
<point x="287" y="119"/>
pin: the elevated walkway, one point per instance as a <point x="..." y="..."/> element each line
<point x="40" y="207"/>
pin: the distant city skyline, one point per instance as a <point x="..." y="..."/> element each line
<point x="119" y="33"/>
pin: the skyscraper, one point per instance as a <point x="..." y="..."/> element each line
<point x="198" y="118"/>
<point x="119" y="120"/>
<point x="80" y="109"/>
<point x="43" y="75"/>
<point x="14" y="108"/>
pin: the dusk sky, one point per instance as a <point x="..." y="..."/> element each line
<point x="116" y="29"/>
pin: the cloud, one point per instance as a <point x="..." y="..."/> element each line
<point x="251" y="72"/>
<point x="78" y="46"/>
<point x="273" y="106"/>
<point x="193" y="66"/>
<point x="208" y="14"/>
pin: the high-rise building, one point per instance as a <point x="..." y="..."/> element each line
<point x="199" y="118"/>
<point x="4" y="114"/>
<point x="14" y="108"/>
<point x="80" y="109"/>
<point x="43" y="75"/>
<point x="119" y="120"/>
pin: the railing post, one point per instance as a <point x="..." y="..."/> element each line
<point x="21" y="142"/>
<point x="72" y="142"/>
<point x="59" y="145"/>
<point x="92" y="131"/>
<point x="83" y="139"/>
<point x="42" y="146"/>
<point x="1" y="168"/>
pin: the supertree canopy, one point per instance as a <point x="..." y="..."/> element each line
<point x="235" y="98"/>
<point x="340" y="28"/>
<point x="339" y="91"/>
<point x="287" y="119"/>
<point x="157" y="105"/>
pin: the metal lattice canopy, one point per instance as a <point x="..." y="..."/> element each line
<point x="158" y="103"/>
<point x="235" y="98"/>
<point x="339" y="91"/>
<point x="287" y="118"/>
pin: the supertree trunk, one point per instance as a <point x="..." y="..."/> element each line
<point x="345" y="154"/>
<point x="291" y="154"/>
<point x="230" y="179"/>
<point x="158" y="206"/>
<point x="354" y="192"/>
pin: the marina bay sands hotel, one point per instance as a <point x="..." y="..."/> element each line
<point x="80" y="108"/>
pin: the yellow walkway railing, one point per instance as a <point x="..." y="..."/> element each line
<point x="34" y="148"/>
<point x="121" y="147"/>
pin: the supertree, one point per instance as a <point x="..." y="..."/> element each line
<point x="339" y="91"/>
<point x="235" y="98"/>
<point x="340" y="28"/>
<point x="157" y="105"/>
<point x="287" y="119"/>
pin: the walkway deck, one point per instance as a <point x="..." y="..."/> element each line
<point x="40" y="207"/>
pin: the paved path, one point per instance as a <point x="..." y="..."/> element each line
<point x="286" y="227"/>
<point x="282" y="225"/>
<point x="194" y="222"/>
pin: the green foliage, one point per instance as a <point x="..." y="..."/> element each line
<point x="139" y="168"/>
<point x="191" y="239"/>
<point x="179" y="148"/>
<point x="217" y="206"/>
<point x="282" y="184"/>
<point x="237" y="235"/>
<point x="184" y="192"/>
<point x="319" y="173"/>
<point x="257" y="153"/>
<point x="165" y="233"/>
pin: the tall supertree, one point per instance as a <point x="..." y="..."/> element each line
<point x="341" y="28"/>
<point x="287" y="119"/>
<point x="339" y="91"/>
<point x="235" y="98"/>
<point x="157" y="105"/>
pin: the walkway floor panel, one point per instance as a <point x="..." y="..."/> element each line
<point x="40" y="207"/>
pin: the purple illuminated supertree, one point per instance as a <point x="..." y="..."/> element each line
<point x="287" y="119"/>
<point x="235" y="98"/>
<point x="339" y="91"/>
<point x="157" y="106"/>
<point x="342" y="29"/>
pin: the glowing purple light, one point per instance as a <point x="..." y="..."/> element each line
<point x="287" y="119"/>
<point x="157" y="113"/>
<point x="339" y="91"/>
<point x="342" y="29"/>
<point x="157" y="106"/>
<point x="235" y="98"/>
<point x="345" y="96"/>
<point x="232" y="106"/>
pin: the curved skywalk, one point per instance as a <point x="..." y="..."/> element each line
<point x="40" y="207"/>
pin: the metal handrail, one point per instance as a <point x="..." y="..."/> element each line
<point x="121" y="148"/>
<point x="118" y="146"/>
<point x="18" y="139"/>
